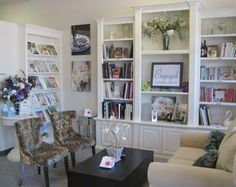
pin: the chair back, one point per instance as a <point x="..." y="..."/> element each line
<point x="28" y="134"/>
<point x="62" y="123"/>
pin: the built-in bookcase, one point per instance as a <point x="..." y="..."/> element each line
<point x="115" y="68"/>
<point x="41" y="61"/>
<point x="218" y="68"/>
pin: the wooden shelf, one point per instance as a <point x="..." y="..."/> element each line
<point x="45" y="90"/>
<point x="118" y="99"/>
<point x="219" y="81"/>
<point x="218" y="58"/>
<point x="163" y="93"/>
<point x="119" y="79"/>
<point x="43" y="73"/>
<point x="117" y="59"/>
<point x="218" y="35"/>
<point x="118" y="39"/>
<point x="218" y="103"/>
<point x="165" y="52"/>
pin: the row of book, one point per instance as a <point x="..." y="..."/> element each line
<point x="42" y="49"/>
<point x="43" y="82"/>
<point x="111" y="70"/>
<point x="218" y="73"/>
<point x="120" y="110"/>
<point x="45" y="114"/>
<point x="228" y="49"/>
<point x="118" y="90"/>
<point x="205" y="116"/>
<point x="117" y="52"/>
<point x="36" y="66"/>
<point x="45" y="99"/>
<point x="210" y="94"/>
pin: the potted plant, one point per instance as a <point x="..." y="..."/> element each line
<point x="166" y="26"/>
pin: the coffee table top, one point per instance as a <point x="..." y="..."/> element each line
<point x="123" y="168"/>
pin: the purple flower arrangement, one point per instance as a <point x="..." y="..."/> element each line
<point x="15" y="89"/>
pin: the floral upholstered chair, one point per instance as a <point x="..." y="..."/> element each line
<point x="65" y="135"/>
<point x="34" y="151"/>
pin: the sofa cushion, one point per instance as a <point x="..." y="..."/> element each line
<point x="188" y="153"/>
<point x="227" y="151"/>
<point x="214" y="140"/>
<point x="207" y="160"/>
<point x="229" y="132"/>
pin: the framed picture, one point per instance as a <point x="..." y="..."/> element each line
<point x="167" y="74"/>
<point x="212" y="51"/>
<point x="81" y="76"/>
<point x="80" y="39"/>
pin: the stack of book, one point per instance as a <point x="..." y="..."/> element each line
<point x="228" y="49"/>
<point x="111" y="70"/>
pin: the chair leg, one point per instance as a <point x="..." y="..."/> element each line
<point x="66" y="164"/>
<point x="93" y="150"/>
<point x="39" y="170"/>
<point x="46" y="177"/>
<point x="73" y="158"/>
<point x="55" y="165"/>
<point x="22" y="169"/>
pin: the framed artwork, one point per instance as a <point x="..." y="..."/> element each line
<point x="212" y="51"/>
<point x="166" y="74"/>
<point x="81" y="76"/>
<point x="80" y="39"/>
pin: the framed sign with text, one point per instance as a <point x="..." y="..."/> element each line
<point x="166" y="74"/>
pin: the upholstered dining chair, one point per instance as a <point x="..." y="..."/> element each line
<point x="65" y="135"/>
<point x="34" y="151"/>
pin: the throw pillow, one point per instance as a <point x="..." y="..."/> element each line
<point x="208" y="159"/>
<point x="214" y="140"/>
<point x="226" y="153"/>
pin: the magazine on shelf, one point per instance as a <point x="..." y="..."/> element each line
<point x="34" y="80"/>
<point x="52" y="50"/>
<point x="53" y="98"/>
<point x="43" y="49"/>
<point x="42" y="101"/>
<point x="42" y="115"/>
<point x="41" y="66"/>
<point x="180" y="112"/>
<point x="50" y="110"/>
<point x="164" y="107"/>
<point x="51" y="82"/>
<point x="32" y="48"/>
<point x="32" y="67"/>
<point x="53" y="67"/>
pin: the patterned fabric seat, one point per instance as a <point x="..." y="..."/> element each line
<point x="64" y="134"/>
<point x="34" y="151"/>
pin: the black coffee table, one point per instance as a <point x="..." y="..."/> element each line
<point x="129" y="172"/>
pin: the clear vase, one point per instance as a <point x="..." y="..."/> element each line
<point x="165" y="41"/>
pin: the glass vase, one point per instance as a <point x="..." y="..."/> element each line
<point x="165" y="42"/>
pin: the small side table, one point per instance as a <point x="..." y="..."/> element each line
<point x="14" y="154"/>
<point x="87" y="126"/>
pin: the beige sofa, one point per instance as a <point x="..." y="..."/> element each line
<point x="179" y="172"/>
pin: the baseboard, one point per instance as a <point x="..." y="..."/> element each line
<point x="5" y="152"/>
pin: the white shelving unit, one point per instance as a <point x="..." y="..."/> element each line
<point x="217" y="27"/>
<point x="50" y="78"/>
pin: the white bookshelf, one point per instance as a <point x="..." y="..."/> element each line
<point x="211" y="21"/>
<point x="43" y="36"/>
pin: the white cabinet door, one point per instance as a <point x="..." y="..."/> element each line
<point x="171" y="140"/>
<point x="150" y="138"/>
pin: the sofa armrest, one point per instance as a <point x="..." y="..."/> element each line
<point x="177" y="175"/>
<point x="193" y="139"/>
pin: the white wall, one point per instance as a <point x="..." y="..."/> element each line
<point x="61" y="14"/>
<point x="8" y="66"/>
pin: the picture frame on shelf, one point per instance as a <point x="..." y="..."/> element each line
<point x="166" y="74"/>
<point x="212" y="51"/>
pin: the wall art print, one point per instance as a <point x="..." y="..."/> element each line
<point x="81" y="76"/>
<point x="80" y="39"/>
